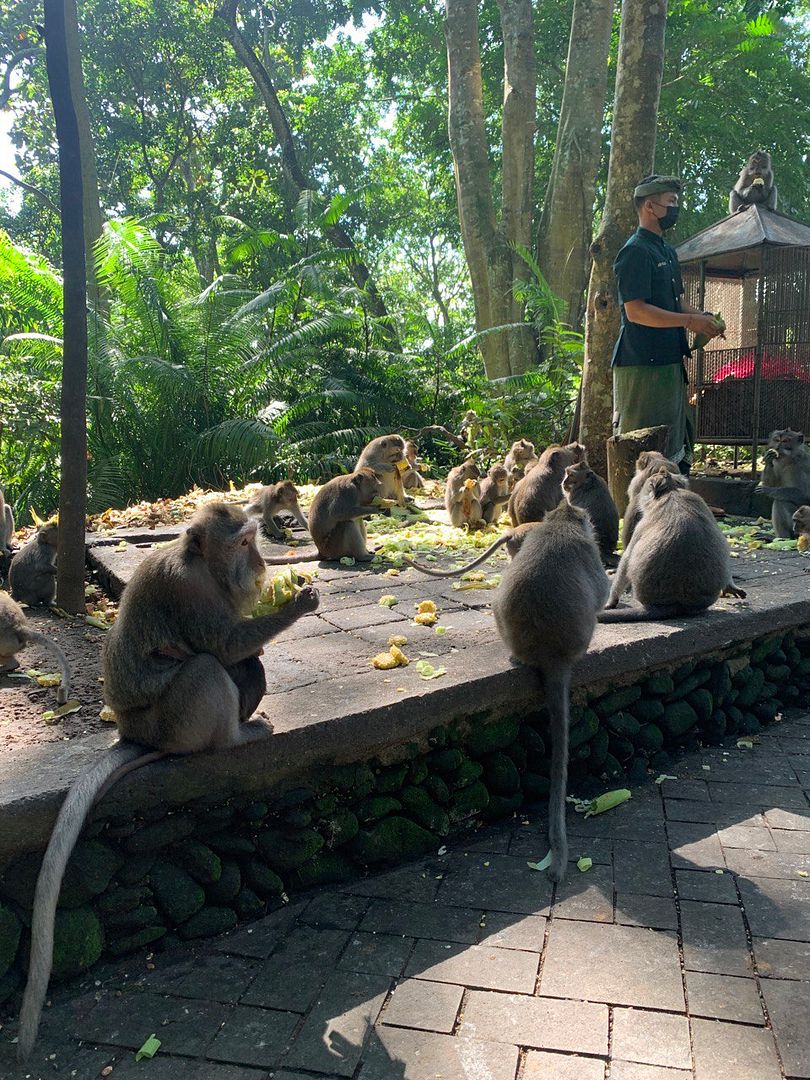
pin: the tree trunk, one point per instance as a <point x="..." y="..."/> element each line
<point x="622" y="452"/>
<point x="632" y="155"/>
<point x="566" y="222"/>
<point x="294" y="175"/>
<point x="93" y="219"/>
<point x="73" y="433"/>
<point x="493" y="264"/>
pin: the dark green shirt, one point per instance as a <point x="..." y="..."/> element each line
<point x="647" y="269"/>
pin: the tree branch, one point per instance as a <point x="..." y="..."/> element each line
<point x="34" y="190"/>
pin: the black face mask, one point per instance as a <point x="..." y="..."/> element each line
<point x="670" y="218"/>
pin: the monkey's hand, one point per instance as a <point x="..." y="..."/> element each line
<point x="771" y="454"/>
<point x="306" y="600"/>
<point x="733" y="590"/>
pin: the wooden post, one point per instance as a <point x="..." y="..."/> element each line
<point x="622" y="451"/>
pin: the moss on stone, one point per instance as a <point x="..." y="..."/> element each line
<point x="761" y="650"/>
<point x="198" y="859"/>
<point x="130" y="922"/>
<point x="535" y="786"/>
<point x="612" y="769"/>
<point x="501" y="775"/>
<point x="467" y="773"/>
<point x="9" y="983"/>
<point x="248" y="905"/>
<point x="597" y="750"/>
<point x="121" y="898"/>
<point x="162" y="833"/>
<point x="437" y="738"/>
<point x="715" y="727"/>
<point x="533" y="741"/>
<point x="647" y="709"/>
<point x="178" y="895"/>
<point x="261" y="878"/>
<point x="136" y="869"/>
<point x="339" y="827"/>
<point x="418" y="771"/>
<point x="502" y="805"/>
<point x="356" y="780"/>
<point x="390" y="780"/>
<point x="78" y="941"/>
<point x="584" y="731"/>
<point x="326" y="868"/>
<point x="496" y="735"/>
<point x="686" y="686"/>
<point x="10" y="931"/>
<point x="616" y="700"/>
<point x="622" y="749"/>
<point x="376" y="807"/>
<point x="468" y="802"/>
<point x="424" y="810"/>
<point x="445" y="762"/>
<point x="750" y="688"/>
<point x="679" y="718"/>
<point x="394" y="839"/>
<point x="437" y="789"/>
<point x="231" y="844"/>
<point x="147" y="936"/>
<point x="207" y="922"/>
<point x="703" y="704"/>
<point x="623" y="724"/>
<point x="661" y="684"/>
<point x="227" y="886"/>
<point x="650" y="739"/>
<point x="285" y="851"/>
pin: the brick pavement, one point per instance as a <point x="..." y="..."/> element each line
<point x="683" y="953"/>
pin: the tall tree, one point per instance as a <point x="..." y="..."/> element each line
<point x="73" y="416"/>
<point x="490" y="242"/>
<point x="565" y="230"/>
<point x="639" y="67"/>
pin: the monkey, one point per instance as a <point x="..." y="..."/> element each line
<point x="545" y="609"/>
<point x="755" y="185"/>
<point x="541" y="489"/>
<point x="336" y="513"/>
<point x="801" y="526"/>
<point x="647" y="463"/>
<point x="786" y="478"/>
<point x="513" y="539"/>
<point x="520" y="459"/>
<point x="411" y="477"/>
<point x="277" y="499"/>
<point x="677" y="562"/>
<point x="470" y="428"/>
<point x="583" y="487"/>
<point x="386" y="456"/>
<point x="182" y="674"/>
<point x="6" y="524"/>
<point x="32" y="577"/>
<point x="494" y="493"/>
<point x="16" y="634"/>
<point x="462" y="495"/>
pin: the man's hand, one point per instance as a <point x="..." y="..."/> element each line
<point x="703" y="324"/>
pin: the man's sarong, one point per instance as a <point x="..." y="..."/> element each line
<point x="648" y="396"/>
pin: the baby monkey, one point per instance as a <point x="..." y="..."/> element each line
<point x="277" y="499"/>
<point x="494" y="493"/>
<point x="337" y="511"/>
<point x="801" y="527"/>
<point x="32" y="577"/>
<point x="462" y="496"/>
<point x="678" y="560"/>
<point x="411" y="477"/>
<point x="16" y="634"/>
<point x="545" y="609"/>
<point x="520" y="459"/>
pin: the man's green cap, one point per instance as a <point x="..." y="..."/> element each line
<point x="655" y="185"/>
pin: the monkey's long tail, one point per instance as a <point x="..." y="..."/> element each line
<point x="644" y="614"/>
<point x="63" y="693"/>
<point x="557" y="683"/>
<point x="63" y="839"/>
<point x="463" y="570"/>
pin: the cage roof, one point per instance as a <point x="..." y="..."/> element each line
<point x="726" y="241"/>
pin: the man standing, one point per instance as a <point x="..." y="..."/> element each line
<point x="649" y="376"/>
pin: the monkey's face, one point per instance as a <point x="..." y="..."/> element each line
<point x="410" y="452"/>
<point x="367" y="484"/>
<point x="391" y="448"/>
<point x="523" y="450"/>
<point x="500" y="478"/>
<point x="786" y="442"/>
<point x="248" y="568"/>
<point x="224" y="538"/>
<point x="468" y="470"/>
<point x="575" y="476"/>
<point x="48" y="534"/>
<point x="801" y="521"/>
<point x="760" y="161"/>
<point x="577" y="451"/>
<point x="287" y="495"/>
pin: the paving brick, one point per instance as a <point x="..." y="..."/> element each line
<point x="733" y="1052"/>
<point x="253" y="1036"/>
<point x="587" y="896"/>
<point x="747" y="837"/>
<point x="164" y="1067"/>
<point x="60" y="1060"/>
<point x="623" y="965"/>
<point x="694" y="790"/>
<point x="506" y="884"/>
<point x="758" y="795"/>
<point x="542" y="1066"/>
<point x="789" y="819"/>
<point x="651" y="1038"/>
<point x="705" y="885"/>
<point x="777" y="907"/>
<point x="545" y="1023"/>
<point x="643" y="868"/>
<point x="361" y="615"/>
<point x="782" y="959"/>
<point x="427" y="1005"/>
<point x="656" y="912"/>
<point x="632" y="1070"/>
<point x="261" y="937"/>
<point x="337" y="1028"/>
<point x="334" y="911"/>
<point x="423" y="920"/>
<point x="788" y="1005"/>
<point x="376" y="954"/>
<point x="513" y="931"/>
<point x="417" y="883"/>
<point x="311" y="954"/>
<point x="766" y="864"/>
<point x="183" y="1026"/>
<point x="529" y="843"/>
<point x="792" y="840"/>
<point x="492" y="838"/>
<point x="397" y="1054"/>
<point x="474" y="965"/>
<point x="210" y="977"/>
<point x="723" y="997"/>
<point x="697" y="810"/>
<point x="694" y="845"/>
<point x="714" y="939"/>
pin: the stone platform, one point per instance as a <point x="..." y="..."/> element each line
<point x="683" y="953"/>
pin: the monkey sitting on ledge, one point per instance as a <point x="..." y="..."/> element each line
<point x="755" y="185"/>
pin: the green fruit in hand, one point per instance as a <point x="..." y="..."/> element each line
<point x="703" y="339"/>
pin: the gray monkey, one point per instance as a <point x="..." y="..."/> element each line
<point x="678" y="560"/>
<point x="6" y="524"/>
<point x="755" y="184"/>
<point x="647" y="463"/>
<point x="32" y="577"/>
<point x="411" y="477"/>
<point x="586" y="489"/>
<point x="462" y="495"/>
<point x="494" y="493"/>
<point x="277" y="499"/>
<point x="520" y="460"/>
<point x="786" y="478"/>
<point x="541" y="489"/>
<point x="17" y="634"/>
<point x="336" y="513"/>
<point x="545" y="609"/>
<point x="182" y="674"/>
<point x="386" y="456"/>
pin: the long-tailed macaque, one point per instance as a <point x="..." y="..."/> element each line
<point x="755" y="184"/>
<point x="17" y="634"/>
<point x="586" y="489"/>
<point x="647" y="463"/>
<point x="801" y="527"/>
<point x="520" y="460"/>
<point x="277" y="499"/>
<point x="386" y="456"/>
<point x="6" y="524"/>
<point x="411" y="477"/>
<point x="545" y="609"/>
<point x="494" y="493"/>
<point x="32" y="577"/>
<point x="786" y="478"/>
<point x="513" y="539"/>
<point x="462" y="496"/>
<point x="541" y="489"/>
<point x="337" y="511"/>
<point x="182" y="674"/>
<point x="678" y="560"/>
